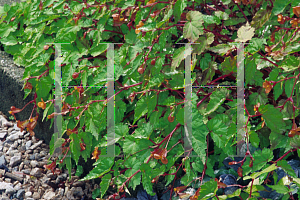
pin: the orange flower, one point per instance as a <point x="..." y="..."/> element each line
<point x="160" y="154"/>
<point x="280" y="19"/>
<point x="179" y="189"/>
<point x="295" y="131"/>
<point x="82" y="146"/>
<point x="295" y="22"/>
<point x="42" y="104"/>
<point x="268" y="87"/>
<point x="150" y="2"/>
<point x="14" y="110"/>
<point x="96" y="154"/>
<point x="32" y="125"/>
<point x="296" y="10"/>
<point x="51" y="166"/>
<point x="51" y="116"/>
<point x="139" y="26"/>
<point x="28" y="86"/>
<point x="22" y="124"/>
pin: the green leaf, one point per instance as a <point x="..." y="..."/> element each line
<point x="141" y="109"/>
<point x="178" y="56"/>
<point x="75" y="147"/>
<point x="250" y="72"/>
<point x="152" y="102"/>
<point x="234" y="21"/>
<point x="245" y="33"/>
<point x="10" y="40"/>
<point x="260" y="18"/>
<point x="205" y="61"/>
<point x="282" y="189"/>
<point x="257" y="174"/>
<point x="208" y="189"/>
<point x="98" y="49"/>
<point x="199" y="133"/>
<point x="147" y="183"/>
<point x="221" y="48"/>
<point x="217" y="98"/>
<point x="279" y="6"/>
<point x="132" y="144"/>
<point x="193" y="28"/>
<point x="104" y="166"/>
<point x="287" y="168"/>
<point x="180" y="116"/>
<point x="105" y="181"/>
<point x="254" y="139"/>
<point x="79" y="170"/>
<point x="290" y="63"/>
<point x="178" y="9"/>
<point x="273" y="117"/>
<point x="261" y="158"/>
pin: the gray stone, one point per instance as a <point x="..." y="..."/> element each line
<point x="28" y="144"/>
<point x="28" y="194"/>
<point x="77" y="192"/>
<point x="36" y="145"/>
<point x="15" y="160"/>
<point x="23" y="148"/>
<point x="2" y="160"/>
<point x="20" y="193"/>
<point x="15" y="136"/>
<point x="32" y="157"/>
<point x="2" y="172"/>
<point x="36" y="195"/>
<point x="49" y="195"/>
<point x="26" y="171"/>
<point x="8" y="187"/>
<point x="61" y="178"/>
<point x="3" y="134"/>
<point x="34" y="163"/>
<point x="37" y="172"/>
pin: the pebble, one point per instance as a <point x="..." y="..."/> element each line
<point x="2" y="160"/>
<point x="28" y="144"/>
<point x="15" y="160"/>
<point x="25" y="159"/>
<point x="20" y="193"/>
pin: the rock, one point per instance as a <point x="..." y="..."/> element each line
<point x="37" y="172"/>
<point x="32" y="157"/>
<point x="2" y="160"/>
<point x="15" y="136"/>
<point x="15" y="160"/>
<point x="15" y="176"/>
<point x="36" y="145"/>
<point x="49" y="195"/>
<point x="37" y="156"/>
<point x="51" y="176"/>
<point x="23" y="148"/>
<point x="20" y="193"/>
<point x="77" y="192"/>
<point x="7" y="180"/>
<point x="28" y="144"/>
<point x="36" y="195"/>
<point x="28" y="194"/>
<point x="26" y="171"/>
<point x="3" y="134"/>
<point x="16" y="127"/>
<point x="78" y="184"/>
<point x="2" y="172"/>
<point x="21" y="166"/>
<point x="61" y="178"/>
<point x="8" y="187"/>
<point x="33" y="163"/>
